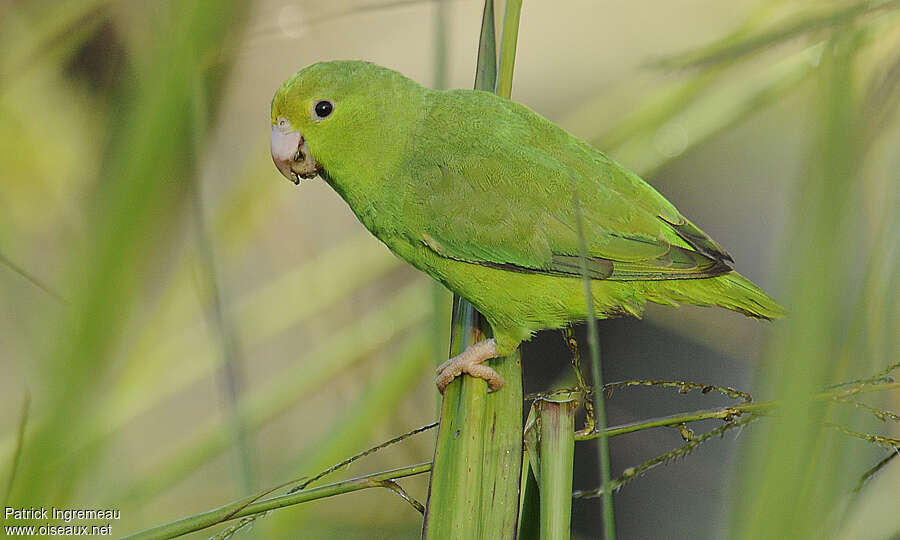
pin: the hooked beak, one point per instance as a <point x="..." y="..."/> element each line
<point x="290" y="154"/>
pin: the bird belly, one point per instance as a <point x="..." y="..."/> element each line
<point x="517" y="304"/>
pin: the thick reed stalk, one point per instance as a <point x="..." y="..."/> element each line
<point x="474" y="488"/>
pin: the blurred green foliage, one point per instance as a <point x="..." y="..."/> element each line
<point x="782" y="117"/>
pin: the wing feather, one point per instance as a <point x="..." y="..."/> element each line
<point x="510" y="203"/>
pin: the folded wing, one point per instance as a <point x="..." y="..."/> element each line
<point x="517" y="209"/>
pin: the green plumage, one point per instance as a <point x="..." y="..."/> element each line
<point x="480" y="193"/>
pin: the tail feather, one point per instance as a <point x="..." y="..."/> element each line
<point x="750" y="299"/>
<point x="731" y="291"/>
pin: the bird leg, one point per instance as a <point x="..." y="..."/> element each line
<point x="589" y="422"/>
<point x="470" y="361"/>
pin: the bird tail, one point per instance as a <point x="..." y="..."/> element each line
<point x="741" y="294"/>
<point x="730" y="291"/>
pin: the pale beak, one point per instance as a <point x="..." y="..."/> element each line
<point x="291" y="156"/>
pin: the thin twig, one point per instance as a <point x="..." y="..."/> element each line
<point x="880" y="377"/>
<point x="874" y="470"/>
<point x="363" y="454"/>
<point x="398" y="489"/>
<point x="308" y="480"/>
<point x="244" y="508"/>
<point x="6" y="261"/>
<point x="228" y="532"/>
<point x="734" y="411"/>
<point x="683" y="387"/>
<point x="880" y="440"/>
<point x="631" y="473"/>
<point x="882" y="414"/>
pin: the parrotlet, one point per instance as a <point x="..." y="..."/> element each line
<point x="502" y="206"/>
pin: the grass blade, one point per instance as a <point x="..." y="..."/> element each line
<point x="530" y="504"/>
<point x="486" y="66"/>
<point x="609" y="526"/>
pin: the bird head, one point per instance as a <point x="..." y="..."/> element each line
<point x="340" y="114"/>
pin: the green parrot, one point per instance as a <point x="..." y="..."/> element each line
<point x="493" y="200"/>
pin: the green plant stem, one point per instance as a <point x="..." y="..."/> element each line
<point x="455" y="485"/>
<point x="474" y="488"/>
<point x="502" y="428"/>
<point x="249" y="506"/>
<point x="502" y="433"/>
<point x="727" y="413"/>
<point x="508" y="40"/>
<point x="557" y="456"/>
<point x="454" y="494"/>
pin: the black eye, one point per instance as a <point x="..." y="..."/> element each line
<point x="323" y="109"/>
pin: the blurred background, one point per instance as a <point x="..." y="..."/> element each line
<point x="184" y="327"/>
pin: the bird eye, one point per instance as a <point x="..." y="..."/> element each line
<point x="322" y="109"/>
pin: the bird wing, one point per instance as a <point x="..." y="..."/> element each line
<point x="517" y="207"/>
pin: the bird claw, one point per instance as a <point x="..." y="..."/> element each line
<point x="470" y="361"/>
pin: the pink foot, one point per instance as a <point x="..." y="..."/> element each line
<point x="470" y="361"/>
